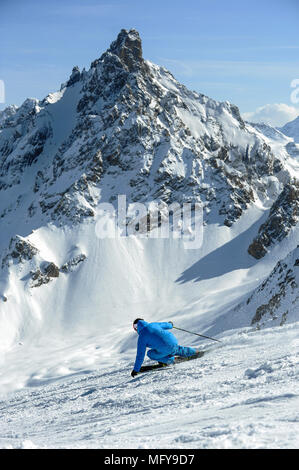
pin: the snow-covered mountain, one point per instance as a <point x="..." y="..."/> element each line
<point x="277" y="135"/>
<point x="127" y="127"/>
<point x="291" y="129"/>
<point x="128" y="120"/>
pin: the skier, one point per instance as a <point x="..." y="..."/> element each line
<point x="163" y="343"/>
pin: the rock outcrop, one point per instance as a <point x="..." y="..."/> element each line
<point x="19" y="251"/>
<point x="283" y="215"/>
<point x="277" y="297"/>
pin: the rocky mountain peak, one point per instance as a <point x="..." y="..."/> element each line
<point x="128" y="48"/>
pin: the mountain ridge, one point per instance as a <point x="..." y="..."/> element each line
<point x="291" y="129"/>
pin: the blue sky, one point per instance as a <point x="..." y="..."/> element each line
<point x="244" y="52"/>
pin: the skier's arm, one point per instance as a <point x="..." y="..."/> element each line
<point x="166" y="325"/>
<point x="141" y="348"/>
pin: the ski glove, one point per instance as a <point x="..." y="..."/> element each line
<point x="171" y="323"/>
<point x="133" y="373"/>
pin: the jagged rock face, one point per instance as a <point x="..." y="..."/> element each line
<point x="19" y="250"/>
<point x="72" y="264"/>
<point x="75" y="76"/>
<point x="127" y="126"/>
<point x="48" y="271"/>
<point x="277" y="297"/>
<point x="44" y="274"/>
<point x="128" y="48"/>
<point x="284" y="214"/>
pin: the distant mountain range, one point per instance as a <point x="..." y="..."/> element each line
<point x="291" y="129"/>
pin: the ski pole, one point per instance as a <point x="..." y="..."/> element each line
<point x="197" y="334"/>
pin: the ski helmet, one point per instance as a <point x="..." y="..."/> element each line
<point x="135" y="323"/>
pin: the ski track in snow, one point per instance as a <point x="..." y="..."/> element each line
<point x="242" y="394"/>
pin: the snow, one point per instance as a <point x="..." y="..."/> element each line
<point x="242" y="394"/>
<point x="291" y="129"/>
<point x="68" y="347"/>
<point x="61" y="112"/>
<point x="65" y="368"/>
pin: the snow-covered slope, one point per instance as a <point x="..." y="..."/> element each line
<point x="242" y="394"/>
<point x="291" y="129"/>
<point x="127" y="127"/>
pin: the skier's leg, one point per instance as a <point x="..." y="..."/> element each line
<point x="160" y="356"/>
<point x="185" y="351"/>
<point x="153" y="354"/>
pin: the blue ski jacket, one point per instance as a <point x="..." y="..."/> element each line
<point x="156" y="336"/>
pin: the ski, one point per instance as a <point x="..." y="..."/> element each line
<point x="177" y="360"/>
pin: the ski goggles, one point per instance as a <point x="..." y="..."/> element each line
<point x="135" y="326"/>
